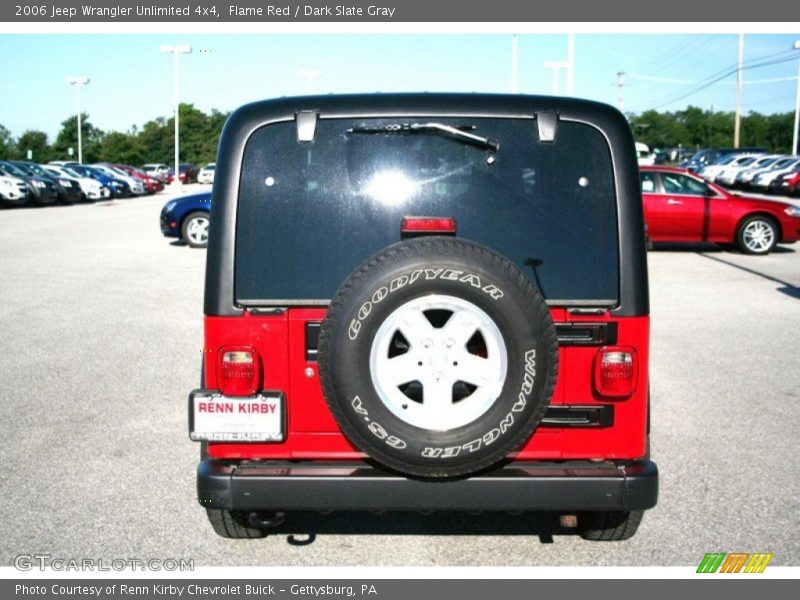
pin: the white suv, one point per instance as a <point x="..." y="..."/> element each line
<point x="206" y="174"/>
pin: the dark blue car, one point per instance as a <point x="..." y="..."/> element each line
<point x="187" y="218"/>
<point x="118" y="188"/>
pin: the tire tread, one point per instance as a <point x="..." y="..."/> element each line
<point x="610" y="526"/>
<point x="229" y="524"/>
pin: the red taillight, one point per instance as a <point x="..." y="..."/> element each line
<point x="239" y="372"/>
<point x="615" y="372"/>
<point x="428" y="225"/>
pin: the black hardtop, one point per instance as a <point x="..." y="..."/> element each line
<point x="242" y="123"/>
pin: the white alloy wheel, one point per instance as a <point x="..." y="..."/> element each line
<point x="197" y="230"/>
<point x="438" y="362"/>
<point x="758" y="236"/>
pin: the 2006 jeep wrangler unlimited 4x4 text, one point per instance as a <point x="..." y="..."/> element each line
<point x="425" y="302"/>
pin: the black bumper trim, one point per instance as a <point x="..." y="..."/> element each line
<point x="565" y="486"/>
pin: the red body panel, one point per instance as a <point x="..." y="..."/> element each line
<point x="312" y="432"/>
<point x="791" y="184"/>
<point x="695" y="218"/>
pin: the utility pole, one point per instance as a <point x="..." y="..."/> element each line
<point x="738" y="120"/>
<point x="620" y="89"/>
<point x="514" y="64"/>
<point x="710" y="123"/>
<point x="795" y="149"/>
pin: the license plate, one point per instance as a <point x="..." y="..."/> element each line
<point x="217" y="418"/>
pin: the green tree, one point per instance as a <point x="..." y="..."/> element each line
<point x="199" y="136"/>
<point x="6" y="143"/>
<point x="156" y="142"/>
<point x="36" y="142"/>
<point x="92" y="140"/>
<point x="124" y="148"/>
<point x="694" y="127"/>
<point x="779" y="132"/>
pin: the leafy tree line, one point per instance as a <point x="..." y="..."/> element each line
<point x="697" y="128"/>
<point x="691" y="128"/>
<point x="152" y="143"/>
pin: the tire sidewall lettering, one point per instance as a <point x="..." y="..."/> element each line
<point x="506" y="423"/>
<point x="403" y="280"/>
<point x="378" y="430"/>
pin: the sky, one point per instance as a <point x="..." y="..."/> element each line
<point x="131" y="80"/>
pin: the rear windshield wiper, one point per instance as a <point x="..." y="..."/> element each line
<point x="458" y="133"/>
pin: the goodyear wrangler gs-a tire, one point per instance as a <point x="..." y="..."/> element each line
<point x="438" y="357"/>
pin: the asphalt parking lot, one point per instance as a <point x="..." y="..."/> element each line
<point x="101" y="337"/>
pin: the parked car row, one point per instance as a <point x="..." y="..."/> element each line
<point x="751" y="169"/>
<point x="26" y="182"/>
<point x="671" y="155"/>
<point x="188" y="173"/>
<point x="708" y="156"/>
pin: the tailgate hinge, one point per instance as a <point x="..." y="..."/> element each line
<point x="306" y="125"/>
<point x="547" y="123"/>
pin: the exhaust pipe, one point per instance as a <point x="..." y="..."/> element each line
<point x="267" y="520"/>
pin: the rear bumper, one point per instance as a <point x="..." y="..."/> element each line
<point x="532" y="486"/>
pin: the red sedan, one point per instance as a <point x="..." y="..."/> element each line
<point x="681" y="207"/>
<point x="188" y="173"/>
<point x="152" y="184"/>
<point x="786" y="184"/>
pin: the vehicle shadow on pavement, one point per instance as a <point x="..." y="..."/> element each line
<point x="687" y="247"/>
<point x="787" y="288"/>
<point x="706" y="247"/>
<point x="302" y="528"/>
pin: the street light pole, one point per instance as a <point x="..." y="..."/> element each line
<point x="514" y="51"/>
<point x="310" y="76"/>
<point x="795" y="149"/>
<point x="571" y="61"/>
<point x="176" y="51"/>
<point x="78" y="82"/>
<point x="556" y="66"/>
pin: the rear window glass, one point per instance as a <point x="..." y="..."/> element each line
<point x="309" y="213"/>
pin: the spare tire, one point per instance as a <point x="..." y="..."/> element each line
<point x="438" y="357"/>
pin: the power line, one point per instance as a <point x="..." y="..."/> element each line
<point x="696" y="81"/>
<point x="677" y="52"/>
<point x="694" y="89"/>
<point x="678" y="55"/>
<point x="722" y="74"/>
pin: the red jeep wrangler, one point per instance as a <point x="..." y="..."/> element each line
<point x="425" y="302"/>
